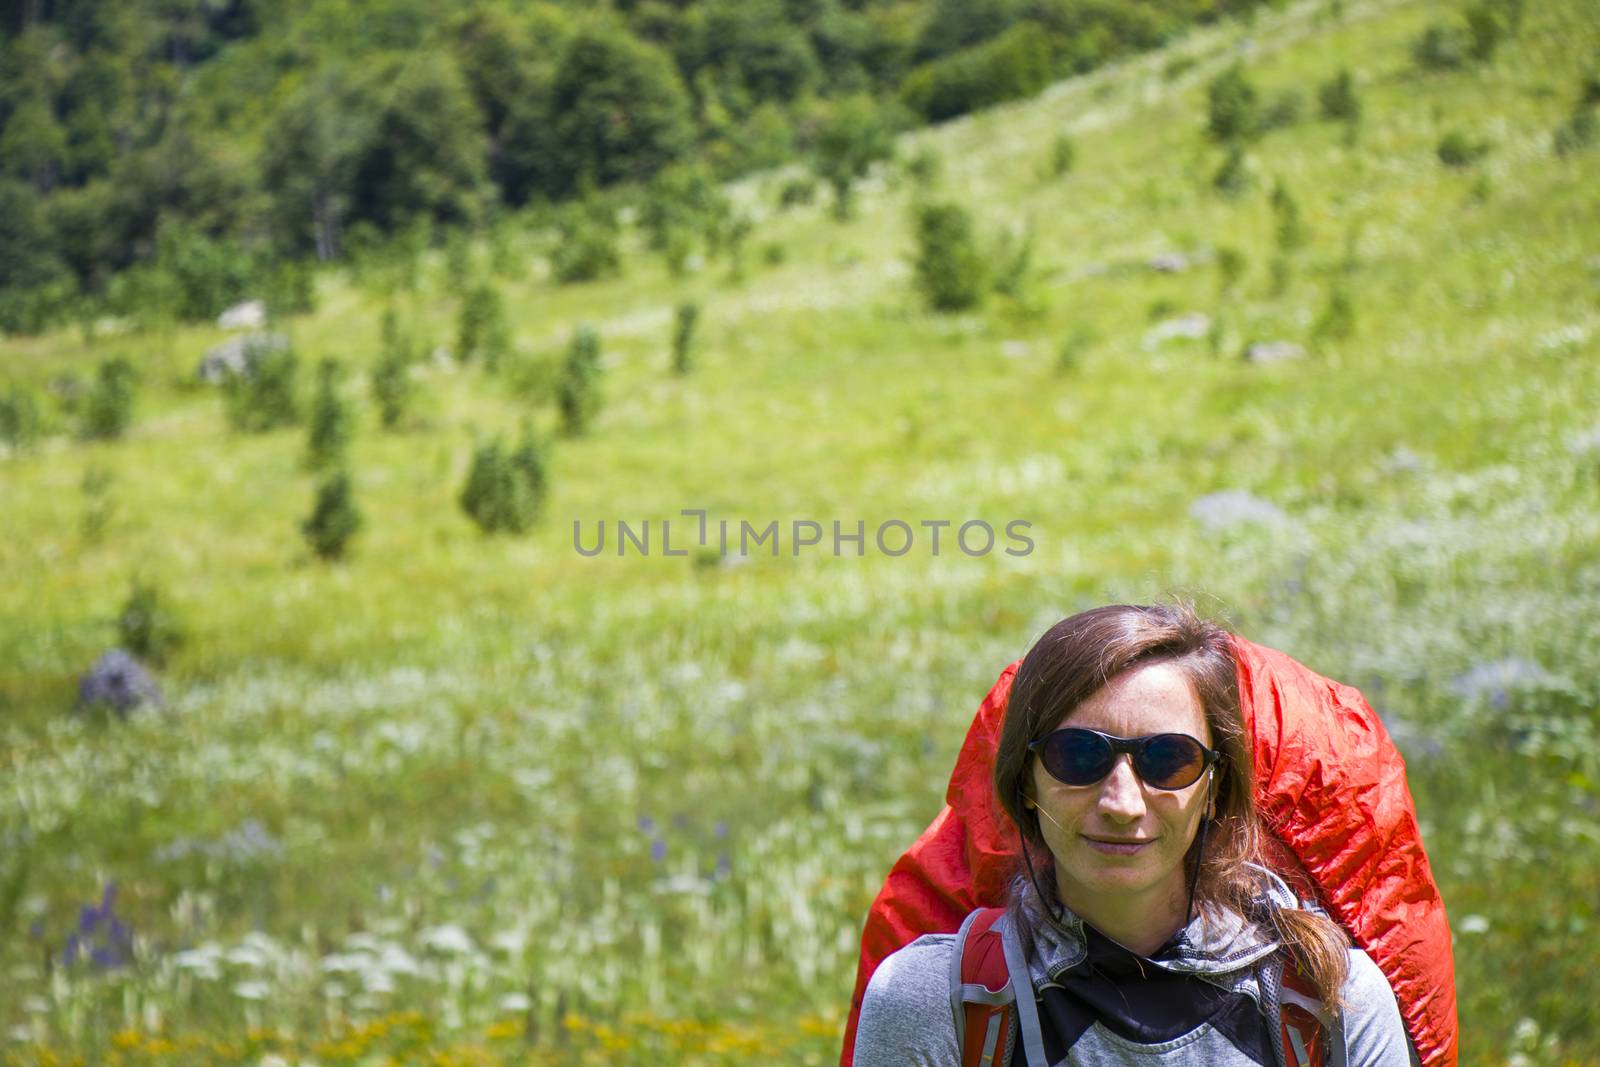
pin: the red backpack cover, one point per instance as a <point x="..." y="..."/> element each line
<point x="1330" y="784"/>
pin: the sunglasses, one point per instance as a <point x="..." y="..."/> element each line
<point x="1083" y="757"/>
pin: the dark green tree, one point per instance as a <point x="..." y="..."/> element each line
<point x="328" y="437"/>
<point x="33" y="146"/>
<point x="1062" y="155"/>
<point x="264" y="397"/>
<point x="334" y="518"/>
<point x="1233" y="107"/>
<point x="108" y="409"/>
<point x="391" y="375"/>
<point x="618" y="110"/>
<point x="1233" y="177"/>
<point x="530" y="470"/>
<point x="1012" y="66"/>
<point x="482" y="332"/>
<point x="750" y="44"/>
<point x="504" y="493"/>
<point x="588" y="245"/>
<point x="949" y="271"/>
<point x="19" y="419"/>
<point x="1338" y="98"/>
<point x="1457" y="150"/>
<point x="684" y="320"/>
<point x="856" y="134"/>
<point x="1290" y="228"/>
<point x="311" y="153"/>
<point x="578" y="389"/>
<point x="147" y="625"/>
<point x="427" y="155"/>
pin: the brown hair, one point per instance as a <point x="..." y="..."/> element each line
<point x="1076" y="658"/>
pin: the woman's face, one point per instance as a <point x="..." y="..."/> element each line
<point x="1121" y="842"/>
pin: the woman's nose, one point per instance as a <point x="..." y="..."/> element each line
<point x="1121" y="795"/>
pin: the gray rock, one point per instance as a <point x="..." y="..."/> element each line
<point x="249" y="315"/>
<point x="1496" y="680"/>
<point x="1273" y="352"/>
<point x="118" y="681"/>
<point x="236" y="357"/>
<point x="1169" y="263"/>
<point x="1585" y="444"/>
<point x="1235" y="507"/>
<point x="1189" y="326"/>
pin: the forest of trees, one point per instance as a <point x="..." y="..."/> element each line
<point x="177" y="153"/>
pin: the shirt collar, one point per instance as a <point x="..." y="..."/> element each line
<point x="1216" y="941"/>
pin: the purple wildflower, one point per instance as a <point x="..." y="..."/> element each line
<point x="100" y="935"/>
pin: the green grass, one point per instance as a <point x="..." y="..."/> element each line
<point x="656" y="795"/>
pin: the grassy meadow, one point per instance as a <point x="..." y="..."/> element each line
<point x="462" y="799"/>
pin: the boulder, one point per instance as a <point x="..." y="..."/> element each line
<point x="1235" y="507"/>
<point x="249" y="315"/>
<point x="1190" y="326"/>
<point x="1169" y="263"/>
<point x="1273" y="352"/>
<point x="235" y="357"/>
<point x="118" y="681"/>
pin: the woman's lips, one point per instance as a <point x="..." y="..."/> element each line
<point x="1115" y="848"/>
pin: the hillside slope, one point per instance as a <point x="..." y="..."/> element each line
<point x="494" y="798"/>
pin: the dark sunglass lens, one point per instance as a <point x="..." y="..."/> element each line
<point x="1077" y="757"/>
<point x="1171" y="761"/>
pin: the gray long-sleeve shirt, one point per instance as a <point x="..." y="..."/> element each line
<point x="1194" y="1005"/>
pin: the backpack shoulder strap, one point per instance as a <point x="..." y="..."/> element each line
<point x="981" y="997"/>
<point x="1303" y="1025"/>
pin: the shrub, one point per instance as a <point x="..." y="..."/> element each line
<point x="391" y="376"/>
<point x="108" y="410"/>
<point x="1338" y="319"/>
<point x="1233" y="177"/>
<point x="482" y="332"/>
<point x="925" y="166"/>
<point x="797" y="192"/>
<point x="1014" y="65"/>
<point x="1579" y="132"/>
<point x="1439" y="47"/>
<point x="98" y="504"/>
<point x="1232" y="106"/>
<point x="1458" y="150"/>
<point x="504" y="493"/>
<point x="1290" y="231"/>
<point x="290" y="289"/>
<point x="688" y="314"/>
<point x="578" y="390"/>
<point x="1485" y="32"/>
<point x="1230" y="268"/>
<point x="210" y="274"/>
<point x="856" y="134"/>
<point x="731" y="238"/>
<point x="1078" y="342"/>
<point x="682" y="202"/>
<point x="1063" y="153"/>
<point x="1285" y="109"/>
<point x="329" y="434"/>
<point x="1338" y="98"/>
<point x="263" y="397"/>
<point x="334" y="519"/>
<point x="147" y="626"/>
<point x="949" y="271"/>
<point x="588" y="244"/>
<point x="1012" y="260"/>
<point x="19" y="419"/>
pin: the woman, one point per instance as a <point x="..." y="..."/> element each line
<point x="1149" y="929"/>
